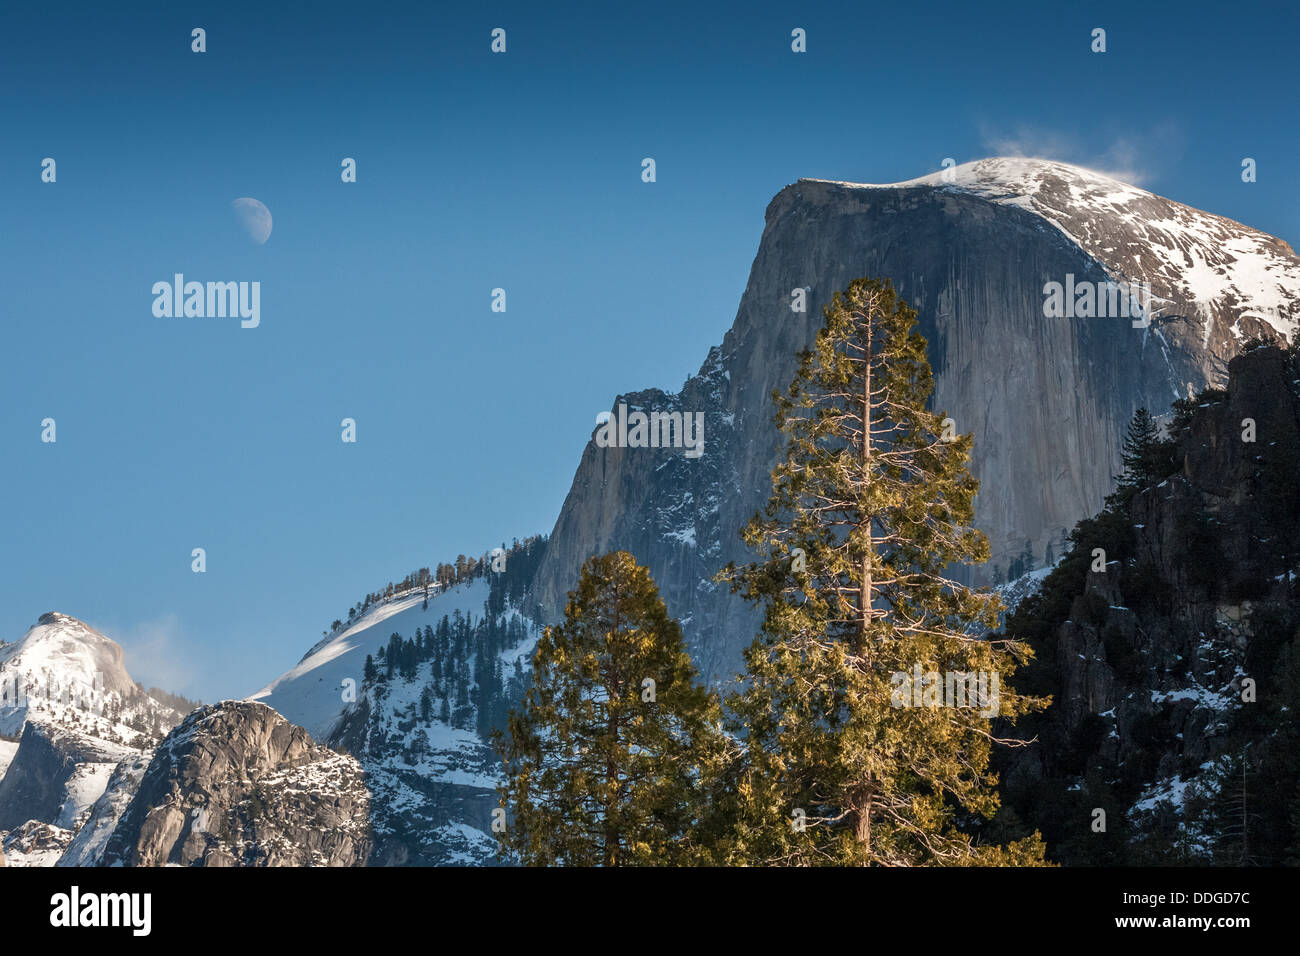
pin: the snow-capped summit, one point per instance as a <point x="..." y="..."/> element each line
<point x="1198" y="264"/>
<point x="66" y="648"/>
<point x="64" y="672"/>
<point x="998" y="174"/>
<point x="69" y="714"/>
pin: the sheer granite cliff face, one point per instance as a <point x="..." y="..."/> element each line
<point x="1047" y="399"/>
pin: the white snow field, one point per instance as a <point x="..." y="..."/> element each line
<point x="311" y="693"/>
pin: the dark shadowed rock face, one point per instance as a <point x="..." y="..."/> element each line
<point x="50" y="772"/>
<point x="1214" y="548"/>
<point x="1181" y="657"/>
<point x="1048" y="400"/>
<point x="238" y="785"/>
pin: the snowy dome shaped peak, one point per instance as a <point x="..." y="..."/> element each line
<point x="1008" y="177"/>
<point x="1218" y="272"/>
<point x="62" y="648"/>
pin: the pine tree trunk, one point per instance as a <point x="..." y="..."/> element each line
<point x="862" y="801"/>
<point x="611" y="770"/>
<point x="866" y="598"/>
<point x="862" y="817"/>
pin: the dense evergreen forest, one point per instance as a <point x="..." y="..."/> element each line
<point x="466" y="685"/>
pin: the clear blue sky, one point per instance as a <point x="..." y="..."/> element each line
<point x="474" y="171"/>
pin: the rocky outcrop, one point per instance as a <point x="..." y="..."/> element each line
<point x="1048" y="400"/>
<point x="55" y="776"/>
<point x="33" y="844"/>
<point x="238" y="785"/>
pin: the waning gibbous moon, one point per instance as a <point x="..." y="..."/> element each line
<point x="254" y="217"/>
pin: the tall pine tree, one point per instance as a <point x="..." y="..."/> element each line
<point x="870" y="507"/>
<point x="606" y="756"/>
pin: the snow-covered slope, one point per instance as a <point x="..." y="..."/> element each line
<point x="311" y="694"/>
<point x="428" y="768"/>
<point x="431" y="773"/>
<point x="1015" y="591"/>
<point x="88" y="845"/>
<point x="1197" y="263"/>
